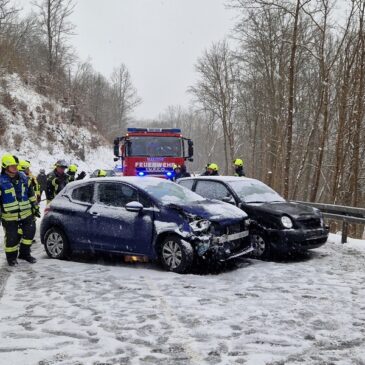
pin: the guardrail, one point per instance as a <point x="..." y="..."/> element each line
<point x="341" y="213"/>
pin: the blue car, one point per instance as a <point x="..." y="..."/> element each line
<point x="143" y="216"/>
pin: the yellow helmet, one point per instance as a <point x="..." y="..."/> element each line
<point x="101" y="173"/>
<point x="213" y="166"/>
<point x="176" y="167"/>
<point x="9" y="160"/>
<point x="23" y="165"/>
<point x="238" y="162"/>
<point x="72" y="168"/>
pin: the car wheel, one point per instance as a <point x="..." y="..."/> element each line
<point x="260" y="245"/>
<point x="56" y="244"/>
<point x="176" y="254"/>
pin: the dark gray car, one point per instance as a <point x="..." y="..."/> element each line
<point x="276" y="224"/>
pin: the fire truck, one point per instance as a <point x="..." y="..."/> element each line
<point x="152" y="151"/>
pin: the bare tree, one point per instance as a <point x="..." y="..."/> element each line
<point x="124" y="97"/>
<point x="56" y="27"/>
<point x="216" y="91"/>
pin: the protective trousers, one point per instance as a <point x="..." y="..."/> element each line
<point x="13" y="239"/>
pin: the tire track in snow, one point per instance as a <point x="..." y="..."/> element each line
<point x="186" y="340"/>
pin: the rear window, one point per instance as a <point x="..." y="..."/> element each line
<point x="212" y="190"/>
<point x="187" y="184"/>
<point x="83" y="193"/>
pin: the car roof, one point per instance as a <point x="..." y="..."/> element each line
<point x="134" y="180"/>
<point x="226" y="179"/>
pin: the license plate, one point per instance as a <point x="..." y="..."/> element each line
<point x="230" y="237"/>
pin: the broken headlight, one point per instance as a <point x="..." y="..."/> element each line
<point x="199" y="226"/>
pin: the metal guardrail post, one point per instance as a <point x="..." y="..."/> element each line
<point x="345" y="227"/>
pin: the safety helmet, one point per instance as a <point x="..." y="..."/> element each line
<point x="72" y="168"/>
<point x="101" y="173"/>
<point x="213" y="166"/>
<point x="238" y="162"/>
<point x="9" y="160"/>
<point x="62" y="163"/>
<point x="176" y="167"/>
<point x="23" y="165"/>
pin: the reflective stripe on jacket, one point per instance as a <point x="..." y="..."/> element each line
<point x="16" y="197"/>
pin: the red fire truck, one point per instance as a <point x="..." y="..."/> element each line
<point x="152" y="151"/>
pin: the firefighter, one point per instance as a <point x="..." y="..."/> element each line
<point x="42" y="181"/>
<point x="72" y="169"/>
<point x="101" y="173"/>
<point x="179" y="172"/>
<point x="24" y="166"/>
<point x="18" y="210"/>
<point x="211" y="170"/>
<point x="238" y="167"/>
<point x="56" y="180"/>
<point x="71" y="172"/>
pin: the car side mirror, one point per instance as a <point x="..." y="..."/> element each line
<point x="134" y="206"/>
<point x="229" y="199"/>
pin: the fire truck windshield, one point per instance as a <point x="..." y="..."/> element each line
<point x="155" y="146"/>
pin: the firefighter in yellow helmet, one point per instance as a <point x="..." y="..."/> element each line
<point x="211" y="170"/>
<point x="71" y="172"/>
<point x="179" y="172"/>
<point x="101" y="173"/>
<point x="18" y="209"/>
<point x="238" y="167"/>
<point x="24" y="166"/>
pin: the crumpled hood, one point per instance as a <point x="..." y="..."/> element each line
<point x="294" y="210"/>
<point x="213" y="210"/>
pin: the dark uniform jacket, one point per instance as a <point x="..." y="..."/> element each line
<point x="55" y="183"/>
<point x="42" y="181"/>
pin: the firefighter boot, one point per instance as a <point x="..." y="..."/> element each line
<point x="27" y="257"/>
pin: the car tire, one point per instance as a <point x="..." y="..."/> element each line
<point x="176" y="255"/>
<point x="260" y="244"/>
<point x="56" y="244"/>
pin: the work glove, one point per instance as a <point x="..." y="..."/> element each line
<point x="81" y="175"/>
<point x="36" y="211"/>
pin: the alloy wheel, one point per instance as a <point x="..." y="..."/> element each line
<point x="55" y="244"/>
<point x="172" y="254"/>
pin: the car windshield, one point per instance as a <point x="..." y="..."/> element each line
<point x="169" y="193"/>
<point x="255" y="192"/>
<point x="155" y="146"/>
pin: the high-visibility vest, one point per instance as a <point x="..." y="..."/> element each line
<point x="16" y="197"/>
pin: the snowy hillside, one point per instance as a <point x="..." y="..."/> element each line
<point x="39" y="129"/>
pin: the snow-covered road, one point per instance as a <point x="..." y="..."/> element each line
<point x="305" y="311"/>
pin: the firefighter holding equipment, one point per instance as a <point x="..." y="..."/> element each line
<point x="18" y="209"/>
<point x="56" y="180"/>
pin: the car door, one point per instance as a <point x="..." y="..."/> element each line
<point x="116" y="229"/>
<point x="214" y="190"/>
<point x="77" y="229"/>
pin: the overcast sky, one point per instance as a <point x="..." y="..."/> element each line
<point x="158" y="40"/>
